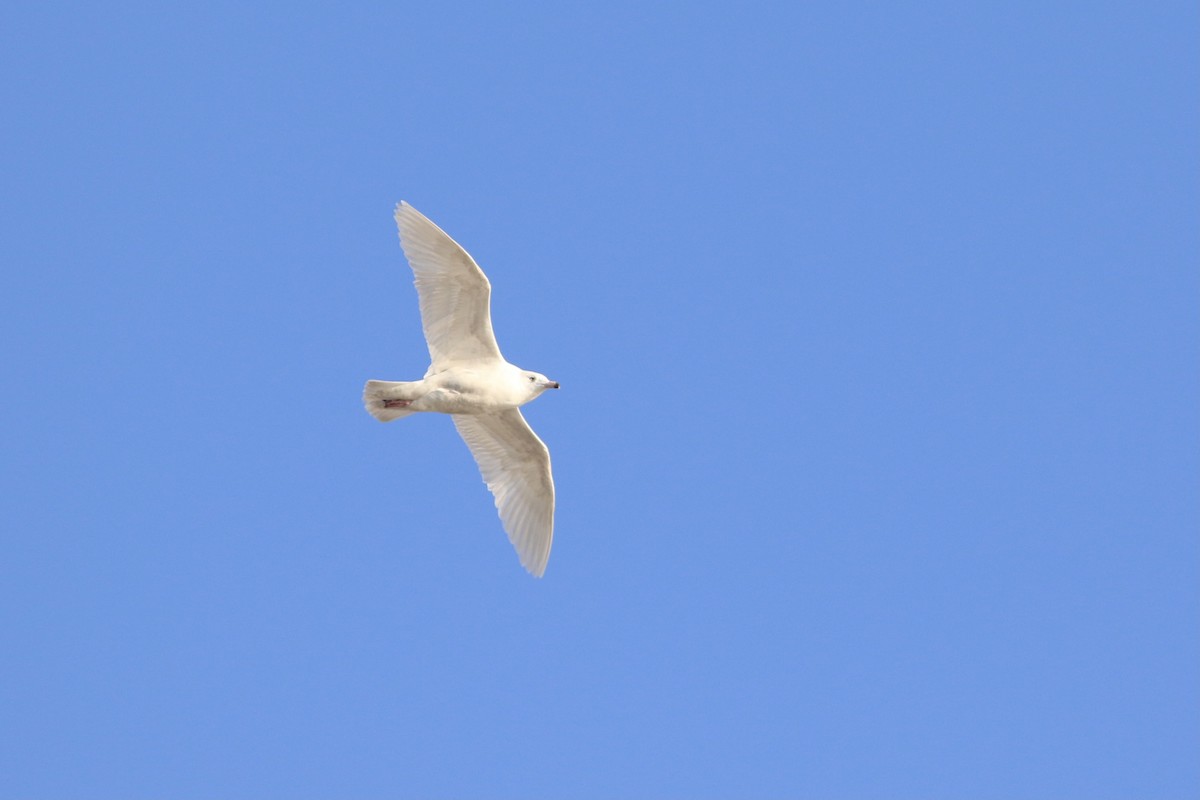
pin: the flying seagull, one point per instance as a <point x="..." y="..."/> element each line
<point x="469" y="380"/>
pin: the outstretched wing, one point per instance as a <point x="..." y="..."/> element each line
<point x="455" y="294"/>
<point x="515" y="465"/>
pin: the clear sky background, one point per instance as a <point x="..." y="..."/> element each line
<point x="877" y="452"/>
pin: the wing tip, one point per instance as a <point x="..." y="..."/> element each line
<point x="534" y="558"/>
<point x="536" y="569"/>
<point x="537" y="574"/>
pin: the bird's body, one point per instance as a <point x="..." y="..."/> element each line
<point x="479" y="388"/>
<point x="469" y="379"/>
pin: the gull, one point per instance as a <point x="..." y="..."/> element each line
<point x="469" y="380"/>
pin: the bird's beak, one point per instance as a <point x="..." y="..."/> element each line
<point x="552" y="384"/>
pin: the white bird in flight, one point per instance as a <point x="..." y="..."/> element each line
<point x="469" y="380"/>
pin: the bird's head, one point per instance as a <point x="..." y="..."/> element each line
<point x="538" y="383"/>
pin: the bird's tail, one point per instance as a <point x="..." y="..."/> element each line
<point x="382" y="399"/>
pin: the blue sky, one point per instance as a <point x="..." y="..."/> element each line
<point x="877" y="449"/>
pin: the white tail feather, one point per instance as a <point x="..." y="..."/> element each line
<point x="376" y="392"/>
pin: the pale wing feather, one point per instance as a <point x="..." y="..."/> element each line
<point x="515" y="465"/>
<point x="455" y="294"/>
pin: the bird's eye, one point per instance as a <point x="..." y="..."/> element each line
<point x="532" y="379"/>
